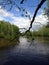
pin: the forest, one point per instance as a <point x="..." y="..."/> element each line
<point x="8" y="33"/>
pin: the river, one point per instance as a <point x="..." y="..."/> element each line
<point x="26" y="53"/>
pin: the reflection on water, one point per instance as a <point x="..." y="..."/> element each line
<point x="44" y="40"/>
<point x="31" y="53"/>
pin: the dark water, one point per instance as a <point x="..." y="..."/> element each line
<point x="26" y="53"/>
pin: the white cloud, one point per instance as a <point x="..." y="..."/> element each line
<point x="1" y="18"/>
<point x="20" y="21"/>
<point x="4" y="13"/>
<point x="24" y="22"/>
<point x="41" y="18"/>
<point x="0" y="7"/>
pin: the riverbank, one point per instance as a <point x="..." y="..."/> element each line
<point x="9" y="34"/>
<point x="4" y="43"/>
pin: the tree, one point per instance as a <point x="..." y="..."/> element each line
<point x="46" y="11"/>
<point x="12" y="3"/>
<point x="9" y="31"/>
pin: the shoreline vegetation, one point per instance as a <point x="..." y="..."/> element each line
<point x="9" y="34"/>
<point x="4" y="43"/>
<point x="43" y="32"/>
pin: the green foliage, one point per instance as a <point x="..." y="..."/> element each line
<point x="47" y="3"/>
<point x="46" y="9"/>
<point x="29" y="35"/>
<point x="8" y="31"/>
<point x="44" y="31"/>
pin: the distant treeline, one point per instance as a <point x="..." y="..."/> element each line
<point x="8" y="31"/>
<point x="42" y="32"/>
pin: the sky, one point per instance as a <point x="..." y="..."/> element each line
<point x="14" y="16"/>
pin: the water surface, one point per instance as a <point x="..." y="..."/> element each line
<point x="35" y="52"/>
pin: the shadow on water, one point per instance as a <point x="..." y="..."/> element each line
<point x="35" y="52"/>
<point x="5" y="43"/>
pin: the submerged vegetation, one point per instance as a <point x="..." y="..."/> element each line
<point x="9" y="34"/>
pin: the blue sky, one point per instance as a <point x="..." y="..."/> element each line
<point x="14" y="16"/>
<point x="29" y="5"/>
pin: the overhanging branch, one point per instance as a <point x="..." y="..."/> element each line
<point x="21" y="1"/>
<point x="38" y="7"/>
